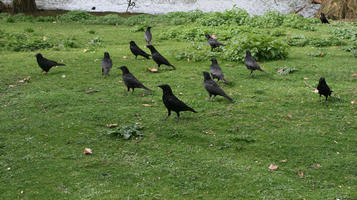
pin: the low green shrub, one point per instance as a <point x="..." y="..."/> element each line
<point x="345" y="33"/>
<point x="111" y="19"/>
<point x="75" y="16"/>
<point x="23" y="42"/>
<point x="126" y="132"/>
<point x="262" y="47"/>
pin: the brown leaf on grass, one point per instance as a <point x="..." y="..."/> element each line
<point x="316" y="91"/>
<point x="87" y="151"/>
<point x="284" y="161"/>
<point x="44" y="38"/>
<point x="273" y="167"/>
<point x="280" y="70"/>
<point x="354" y="75"/>
<point x="153" y="70"/>
<point x="146" y="105"/>
<point x="24" y="80"/>
<point x="125" y="57"/>
<point x="112" y="125"/>
<point x="11" y="86"/>
<point x="289" y="116"/>
<point x="306" y="79"/>
<point x="300" y="174"/>
<point x="92" y="91"/>
<point x="188" y="60"/>
<point x="169" y="152"/>
<point x="318" y="165"/>
<point x="353" y="102"/>
<point x="213" y="36"/>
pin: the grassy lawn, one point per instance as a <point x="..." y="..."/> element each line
<point x="222" y="152"/>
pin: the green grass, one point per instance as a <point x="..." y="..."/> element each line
<point x="222" y="152"/>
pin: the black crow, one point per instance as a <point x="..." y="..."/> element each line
<point x="323" y="88"/>
<point x="106" y="64"/>
<point x="324" y="19"/>
<point x="148" y="35"/>
<point x="213" y="42"/>
<point x="46" y="64"/>
<point x="216" y="71"/>
<point x="251" y="63"/>
<point x="130" y="80"/>
<point x="137" y="51"/>
<point x="158" y="58"/>
<point x="213" y="88"/>
<point x="172" y="103"/>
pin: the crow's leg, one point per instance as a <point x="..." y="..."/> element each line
<point x="178" y="116"/>
<point x="168" y="115"/>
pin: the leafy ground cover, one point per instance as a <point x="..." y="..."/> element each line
<point x="222" y="152"/>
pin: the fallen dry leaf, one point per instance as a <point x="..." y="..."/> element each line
<point x="316" y="91"/>
<point x="87" y="151"/>
<point x="92" y="91"/>
<point x="289" y="116"/>
<point x="44" y="38"/>
<point x="306" y="79"/>
<point x="24" y="80"/>
<point x="300" y="174"/>
<point x="146" y="105"/>
<point x="213" y="36"/>
<point x="273" y="167"/>
<point x="63" y="76"/>
<point x="153" y="70"/>
<point x="112" y="125"/>
<point x="280" y="71"/>
<point x="169" y="152"/>
<point x="283" y="161"/>
<point x="85" y="50"/>
<point x="188" y="60"/>
<point x="354" y="75"/>
<point x="11" y="86"/>
<point x="318" y="165"/>
<point x="353" y="102"/>
<point x="125" y="57"/>
<point x="54" y="22"/>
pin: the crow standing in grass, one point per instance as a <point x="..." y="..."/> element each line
<point x="213" y="88"/>
<point x="148" y="35"/>
<point x="250" y="63"/>
<point x="158" y="58"/>
<point x="137" y="51"/>
<point x="106" y="64"/>
<point x="46" y="64"/>
<point x="213" y="42"/>
<point x="216" y="71"/>
<point x="324" y="19"/>
<point x="323" y="88"/>
<point x="172" y="103"/>
<point x="130" y="80"/>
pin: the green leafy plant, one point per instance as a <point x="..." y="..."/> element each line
<point x="345" y="33"/>
<point x="75" y="16"/>
<point x="126" y="132"/>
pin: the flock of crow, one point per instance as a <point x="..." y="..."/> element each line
<point x="171" y="102"/>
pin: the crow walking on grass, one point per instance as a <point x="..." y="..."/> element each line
<point x="137" y="51"/>
<point x="172" y="103"/>
<point x="324" y="19"/>
<point x="323" y="88"/>
<point x="216" y="71"/>
<point x="46" y="64"/>
<point x="158" y="58"/>
<point x="213" y="88"/>
<point x="250" y="63"/>
<point x="130" y="81"/>
<point x="213" y="42"/>
<point x="106" y="64"/>
<point x="148" y="35"/>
